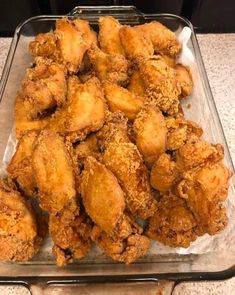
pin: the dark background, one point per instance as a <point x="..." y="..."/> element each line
<point x="206" y="15"/>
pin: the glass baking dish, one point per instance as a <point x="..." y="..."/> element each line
<point x="213" y="265"/>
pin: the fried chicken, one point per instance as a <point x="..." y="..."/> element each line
<point x="136" y="85"/>
<point x="44" y="45"/>
<point x="19" y="239"/>
<point x="84" y="111"/>
<point x="86" y="148"/>
<point x="159" y="79"/>
<point x="136" y="44"/>
<point x="164" y="173"/>
<point x="180" y="131"/>
<point x="88" y="34"/>
<point x="109" y="67"/>
<point x="109" y="38"/>
<point x="174" y="224"/>
<point x="120" y="99"/>
<point x="204" y="188"/>
<point x="44" y="87"/>
<point x="124" y="160"/>
<point x="163" y="40"/>
<point x="150" y="130"/>
<point x="184" y="79"/>
<point x="55" y="176"/>
<point x="20" y="167"/>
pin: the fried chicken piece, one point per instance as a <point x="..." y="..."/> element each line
<point x="109" y="67"/>
<point x="88" y="34"/>
<point x="120" y="99"/>
<point x="19" y="240"/>
<point x="84" y="111"/>
<point x="109" y="38"/>
<point x="150" y="130"/>
<point x="136" y="44"/>
<point x="159" y="79"/>
<point x="170" y="61"/>
<point x="163" y="40"/>
<point x="44" y="87"/>
<point x="198" y="153"/>
<point x="88" y="147"/>
<point x="174" y="224"/>
<point x="53" y="171"/>
<point x="164" y="173"/>
<point x="136" y="85"/>
<point x="180" y="131"/>
<point x="184" y="78"/>
<point x="23" y="122"/>
<point x="70" y="230"/>
<point x="44" y="45"/>
<point x="204" y="189"/>
<point x="125" y="250"/>
<point x="102" y="195"/>
<point x="20" y="167"/>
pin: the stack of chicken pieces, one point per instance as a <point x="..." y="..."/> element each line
<point x="103" y="144"/>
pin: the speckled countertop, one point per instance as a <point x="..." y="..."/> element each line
<point x="219" y="59"/>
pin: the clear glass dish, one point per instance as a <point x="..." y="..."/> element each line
<point x="153" y="267"/>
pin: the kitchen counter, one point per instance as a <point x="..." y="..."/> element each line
<point x="219" y="59"/>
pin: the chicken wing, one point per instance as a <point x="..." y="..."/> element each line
<point x="160" y="82"/>
<point x="120" y="99"/>
<point x="86" y="148"/>
<point x="163" y="40"/>
<point x="136" y="44"/>
<point x="174" y="224"/>
<point x="164" y="173"/>
<point x="184" y="78"/>
<point x="88" y="34"/>
<point x="20" y="167"/>
<point x="180" y="131"/>
<point x="44" y="87"/>
<point x="204" y="189"/>
<point x="124" y="160"/>
<point x="109" y="38"/>
<point x="110" y="67"/>
<point x="44" y="45"/>
<point x="19" y="239"/>
<point x="150" y="130"/>
<point x="84" y="111"/>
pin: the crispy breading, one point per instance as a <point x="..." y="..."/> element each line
<point x="136" y="44"/>
<point x="174" y="224"/>
<point x="136" y="85"/>
<point x="19" y="239"/>
<point x="20" y="167"/>
<point x="88" y="34"/>
<point x="109" y="38"/>
<point x="150" y="130"/>
<point x="120" y="99"/>
<point x="163" y="39"/>
<point x="184" y="78"/>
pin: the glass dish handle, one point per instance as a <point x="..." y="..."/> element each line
<point x="114" y="10"/>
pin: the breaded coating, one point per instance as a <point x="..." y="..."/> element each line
<point x="174" y="224"/>
<point x="102" y="195"/>
<point x="125" y="250"/>
<point x="111" y="67"/>
<point x="198" y="153"/>
<point x="125" y="161"/>
<point x="164" y="173"/>
<point x="204" y="189"/>
<point x="120" y="99"/>
<point x="151" y="132"/>
<point x="160" y="82"/>
<point x="109" y="38"/>
<point x="170" y="61"/>
<point x="86" y="148"/>
<point x="44" y="87"/>
<point x="23" y="121"/>
<point x="19" y="240"/>
<point x="70" y="230"/>
<point x="163" y="40"/>
<point x="84" y="111"/>
<point x="184" y="79"/>
<point x="136" y="85"/>
<point x="136" y="44"/>
<point x="88" y="34"/>
<point x="53" y="172"/>
<point x="180" y="131"/>
<point x="44" y="45"/>
<point x="20" y="167"/>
